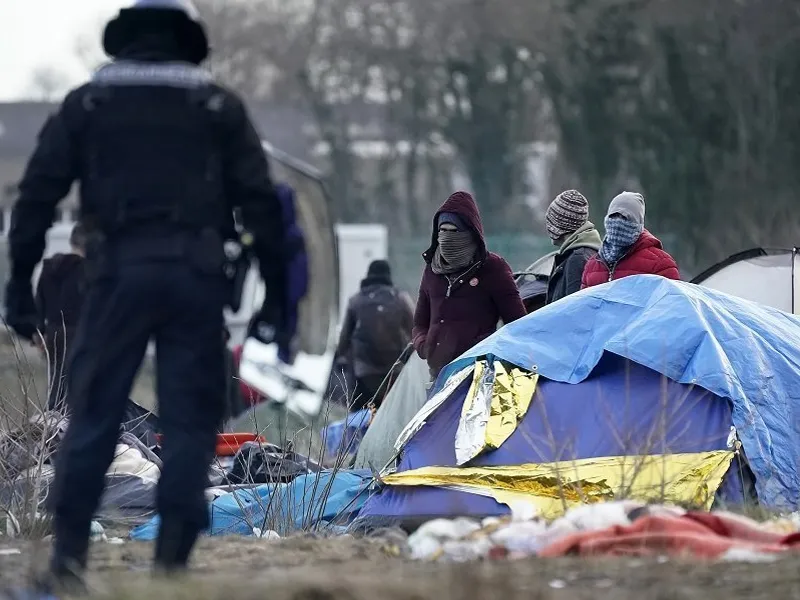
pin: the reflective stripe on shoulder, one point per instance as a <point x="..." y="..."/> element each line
<point x="172" y="74"/>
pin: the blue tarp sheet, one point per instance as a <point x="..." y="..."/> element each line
<point x="342" y="438"/>
<point x="622" y="409"/>
<point x="731" y="347"/>
<point x="308" y="501"/>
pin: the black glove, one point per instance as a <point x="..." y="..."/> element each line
<point x="21" y="308"/>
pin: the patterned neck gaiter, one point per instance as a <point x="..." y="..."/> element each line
<point x="621" y="234"/>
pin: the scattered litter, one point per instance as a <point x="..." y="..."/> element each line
<point x="748" y="555"/>
<point x="425" y="547"/>
<point x="9" y="552"/>
<point x="446" y="529"/>
<point x="115" y="541"/>
<point x="98" y="534"/>
<point x="600" y="516"/>
<point x="526" y="538"/>
<point x="609" y="528"/>
<point x="466" y="550"/>
<point x="266" y="535"/>
<point x="523" y="511"/>
<point x="784" y="524"/>
<point x="429" y="542"/>
<point x="558" y="584"/>
<point x="519" y="535"/>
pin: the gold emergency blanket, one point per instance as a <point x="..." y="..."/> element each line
<point x="552" y="488"/>
<point x="496" y="402"/>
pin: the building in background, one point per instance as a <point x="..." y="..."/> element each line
<point x="372" y="171"/>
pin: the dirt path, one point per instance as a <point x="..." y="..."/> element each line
<point x="348" y="569"/>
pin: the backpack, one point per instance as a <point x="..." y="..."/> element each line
<point x="380" y="334"/>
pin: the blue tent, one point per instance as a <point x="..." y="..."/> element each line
<point x="617" y="363"/>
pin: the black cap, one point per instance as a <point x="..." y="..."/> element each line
<point x="379" y="269"/>
<point x="180" y="16"/>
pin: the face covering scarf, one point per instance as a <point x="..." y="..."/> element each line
<point x="455" y="252"/>
<point x="621" y="234"/>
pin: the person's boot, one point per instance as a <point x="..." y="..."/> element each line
<point x="173" y="548"/>
<point x="68" y="562"/>
<point x="63" y="577"/>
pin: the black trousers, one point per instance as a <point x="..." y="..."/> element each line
<point x="181" y="308"/>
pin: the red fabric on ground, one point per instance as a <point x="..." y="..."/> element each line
<point x="702" y="535"/>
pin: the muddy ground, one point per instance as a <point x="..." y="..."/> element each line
<point x="349" y="569"/>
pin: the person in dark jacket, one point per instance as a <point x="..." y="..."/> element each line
<point x="376" y="330"/>
<point x="59" y="301"/>
<point x="164" y="157"/>
<point x="297" y="274"/>
<point x="465" y="289"/>
<point x="628" y="248"/>
<point x="568" y="225"/>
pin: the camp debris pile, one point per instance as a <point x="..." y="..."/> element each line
<point x="27" y="471"/>
<point x="623" y="528"/>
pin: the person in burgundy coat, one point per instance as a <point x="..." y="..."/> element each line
<point x="465" y="289"/>
<point x="628" y="248"/>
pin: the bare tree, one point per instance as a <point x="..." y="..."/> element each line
<point x="692" y="102"/>
<point x="440" y="83"/>
<point x="47" y="84"/>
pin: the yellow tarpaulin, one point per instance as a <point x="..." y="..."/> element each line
<point x="495" y="404"/>
<point x="683" y="479"/>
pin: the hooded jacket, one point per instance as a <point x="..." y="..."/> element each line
<point x="569" y="263"/>
<point x="454" y="314"/>
<point x="646" y="257"/>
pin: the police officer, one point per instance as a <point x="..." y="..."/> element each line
<point x="163" y="156"/>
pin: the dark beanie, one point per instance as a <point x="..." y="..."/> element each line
<point x="379" y="269"/>
<point x="452" y="219"/>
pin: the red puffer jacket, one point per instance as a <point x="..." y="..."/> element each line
<point x="646" y="257"/>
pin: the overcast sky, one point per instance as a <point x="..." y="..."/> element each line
<point x="44" y="33"/>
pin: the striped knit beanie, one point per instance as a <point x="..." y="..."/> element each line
<point x="566" y="214"/>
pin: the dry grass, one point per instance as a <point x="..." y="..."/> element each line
<point x="23" y="381"/>
<point x="29" y="434"/>
<point x="348" y="569"/>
